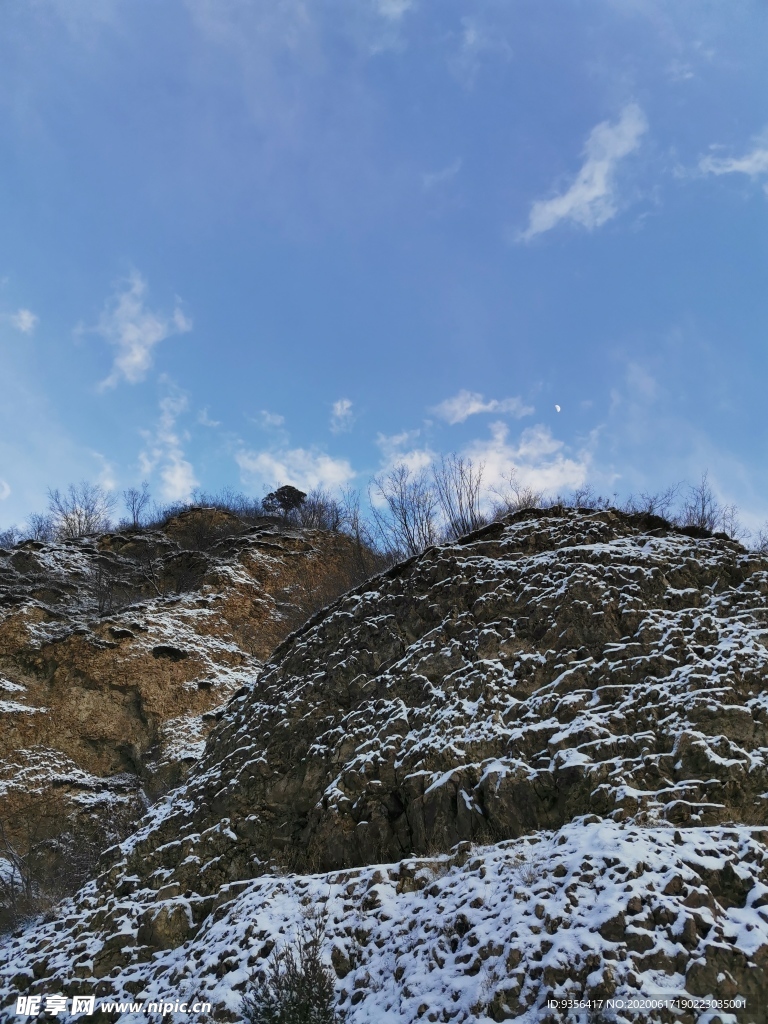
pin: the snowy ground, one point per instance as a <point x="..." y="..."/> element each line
<point x="596" y="910"/>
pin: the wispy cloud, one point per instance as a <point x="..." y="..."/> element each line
<point x="342" y="417"/>
<point x="205" y="420"/>
<point x="392" y="10"/>
<point x="305" y="468"/>
<point x="592" y="198"/>
<point x="106" y="477"/>
<point x="754" y="164"/>
<point x="164" y="452"/>
<point x="479" y="41"/>
<point x="680" y="71"/>
<point x="469" y="403"/>
<point x="135" y="331"/>
<point x="433" y="178"/>
<point x="24" y="320"/>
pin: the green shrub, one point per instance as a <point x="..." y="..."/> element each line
<point x="296" y="986"/>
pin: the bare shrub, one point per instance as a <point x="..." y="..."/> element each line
<point x="586" y="497"/>
<point x="246" y="508"/>
<point x="41" y="864"/>
<point x="111" y="588"/>
<point x="200" y="528"/>
<point x="513" y="496"/>
<point x="81" y="510"/>
<point x="148" y="558"/>
<point x="660" y="503"/>
<point x="701" y="509"/>
<point x="184" y="572"/>
<point x="527" y="867"/>
<point x="457" y="488"/>
<point x="296" y="987"/>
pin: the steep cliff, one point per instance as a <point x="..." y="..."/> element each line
<point x="117" y="654"/>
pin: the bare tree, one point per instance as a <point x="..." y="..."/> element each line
<point x="457" y="488"/>
<point x="40" y="527"/>
<point x="10" y="537"/>
<point x="761" y="540"/>
<point x="514" y="496"/>
<point x="136" y="504"/>
<point x="41" y="863"/>
<point x="320" y="511"/>
<point x="149" y="558"/>
<point x="81" y="510"/>
<point x="368" y="558"/>
<point x="731" y="524"/>
<point x="701" y="508"/>
<point x="404" y="510"/>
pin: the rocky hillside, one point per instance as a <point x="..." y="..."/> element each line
<point x="118" y="652"/>
<point x="528" y="766"/>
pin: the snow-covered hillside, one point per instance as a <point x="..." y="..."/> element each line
<point x="528" y="766"/>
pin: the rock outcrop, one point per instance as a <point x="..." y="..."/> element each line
<point x="551" y="739"/>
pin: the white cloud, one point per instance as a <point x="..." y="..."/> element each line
<point x="270" y="420"/>
<point x="754" y="164"/>
<point x="5" y="489"/>
<point x="300" y="467"/>
<point x="402" y="448"/>
<point x="134" y="331"/>
<point x="341" y="416"/>
<point x="538" y="460"/>
<point x="430" y="179"/>
<point x="164" y="452"/>
<point x="25" y="321"/>
<point x="106" y="476"/>
<point x="469" y="403"/>
<point x="592" y="198"/>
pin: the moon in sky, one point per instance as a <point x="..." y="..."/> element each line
<point x="557" y="408"/>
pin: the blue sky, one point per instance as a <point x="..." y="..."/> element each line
<point x="254" y="242"/>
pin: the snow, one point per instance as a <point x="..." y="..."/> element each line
<point x="665" y="719"/>
<point x="468" y="929"/>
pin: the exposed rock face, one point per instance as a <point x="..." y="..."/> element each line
<point x="117" y="653"/>
<point x="561" y="665"/>
<point x="591" y="680"/>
